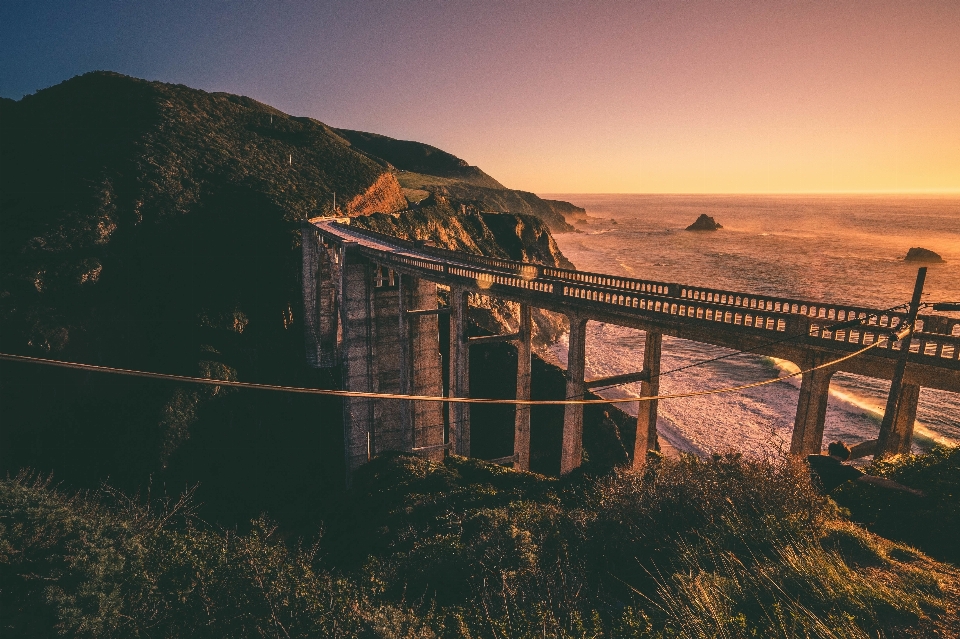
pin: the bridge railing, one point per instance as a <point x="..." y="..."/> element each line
<point x="938" y="337"/>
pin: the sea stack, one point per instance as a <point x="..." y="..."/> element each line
<point x="918" y="254"/>
<point x="704" y="223"/>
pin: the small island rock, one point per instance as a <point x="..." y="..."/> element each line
<point x="917" y="254"/>
<point x="704" y="223"/>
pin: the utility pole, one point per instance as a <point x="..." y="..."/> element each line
<point x="893" y="440"/>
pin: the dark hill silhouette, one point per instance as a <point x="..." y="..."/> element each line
<point x="153" y="226"/>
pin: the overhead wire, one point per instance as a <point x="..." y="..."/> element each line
<point x="424" y="398"/>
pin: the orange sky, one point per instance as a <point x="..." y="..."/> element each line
<point x="716" y="96"/>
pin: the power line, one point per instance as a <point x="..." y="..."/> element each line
<point x="422" y="398"/>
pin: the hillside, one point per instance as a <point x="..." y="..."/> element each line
<point x="153" y="226"/>
<point x="423" y="170"/>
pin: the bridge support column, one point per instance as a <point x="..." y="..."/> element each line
<point x="459" y="372"/>
<point x="310" y="247"/>
<point x="422" y="367"/>
<point x="812" y="408"/>
<point x="320" y="280"/>
<point x="572" y="454"/>
<point x="521" y="436"/>
<point x="647" y="413"/>
<point x="895" y="439"/>
<point x="357" y="357"/>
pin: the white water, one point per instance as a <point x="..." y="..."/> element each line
<point x="834" y="249"/>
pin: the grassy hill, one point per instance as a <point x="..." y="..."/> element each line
<point x="416" y="157"/>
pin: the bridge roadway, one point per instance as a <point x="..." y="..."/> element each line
<point x="790" y="329"/>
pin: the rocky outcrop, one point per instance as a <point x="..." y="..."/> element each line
<point x="383" y="196"/>
<point x="917" y="254"/>
<point x="704" y="223"/>
<point x="506" y="201"/>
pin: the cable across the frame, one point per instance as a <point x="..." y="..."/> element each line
<point x="420" y="398"/>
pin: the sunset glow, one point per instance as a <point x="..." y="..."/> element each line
<point x="694" y="97"/>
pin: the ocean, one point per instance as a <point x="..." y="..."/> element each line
<point x="846" y="249"/>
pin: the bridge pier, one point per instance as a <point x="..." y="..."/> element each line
<point x="320" y="280"/>
<point x="521" y="437"/>
<point x="420" y="374"/>
<point x="647" y="412"/>
<point x="572" y="453"/>
<point x="459" y="372"/>
<point x="384" y="350"/>
<point x="812" y="408"/>
<point x="357" y="357"/>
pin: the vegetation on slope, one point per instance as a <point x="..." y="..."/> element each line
<point x="932" y="522"/>
<point x="418" y="157"/>
<point x="718" y="548"/>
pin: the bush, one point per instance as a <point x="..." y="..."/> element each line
<point x="929" y="523"/>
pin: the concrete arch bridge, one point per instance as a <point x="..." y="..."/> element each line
<point x="371" y="310"/>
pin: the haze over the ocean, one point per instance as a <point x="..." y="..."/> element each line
<point x="700" y="96"/>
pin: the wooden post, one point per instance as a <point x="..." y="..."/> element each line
<point x="521" y="436"/>
<point x="459" y="372"/>
<point x="647" y="413"/>
<point x="895" y="433"/>
<point x="572" y="454"/>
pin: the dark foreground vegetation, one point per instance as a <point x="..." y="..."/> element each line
<point x="725" y="547"/>
<point x="931" y="523"/>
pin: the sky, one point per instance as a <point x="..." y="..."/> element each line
<point x="696" y="96"/>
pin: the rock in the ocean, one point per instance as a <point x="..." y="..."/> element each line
<point x="704" y="223"/>
<point x="918" y="254"/>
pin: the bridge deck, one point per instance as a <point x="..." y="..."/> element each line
<point x="769" y="325"/>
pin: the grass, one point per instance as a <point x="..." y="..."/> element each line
<point x="725" y="547"/>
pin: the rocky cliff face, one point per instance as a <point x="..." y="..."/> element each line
<point x="383" y="196"/>
<point x="502" y="201"/>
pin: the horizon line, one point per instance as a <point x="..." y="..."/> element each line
<point x="955" y="192"/>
